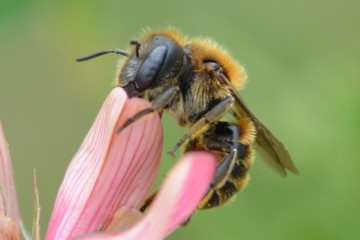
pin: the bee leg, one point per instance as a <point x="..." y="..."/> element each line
<point x="222" y="174"/>
<point x="202" y="125"/>
<point x="224" y="169"/>
<point x="148" y="202"/>
<point x="158" y="104"/>
<point x="184" y="224"/>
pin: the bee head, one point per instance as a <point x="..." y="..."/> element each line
<point x="154" y="59"/>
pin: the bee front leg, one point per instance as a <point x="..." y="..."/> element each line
<point x="158" y="104"/>
<point x="202" y="125"/>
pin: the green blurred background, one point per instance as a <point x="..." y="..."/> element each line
<point x="302" y="59"/>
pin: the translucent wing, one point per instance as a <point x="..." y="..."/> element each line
<point x="272" y="150"/>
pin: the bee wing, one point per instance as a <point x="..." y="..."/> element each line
<point x="272" y="150"/>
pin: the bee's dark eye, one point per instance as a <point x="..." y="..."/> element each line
<point x="213" y="65"/>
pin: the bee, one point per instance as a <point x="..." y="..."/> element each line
<point x="197" y="81"/>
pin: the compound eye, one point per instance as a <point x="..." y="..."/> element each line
<point x="213" y="65"/>
<point x="151" y="66"/>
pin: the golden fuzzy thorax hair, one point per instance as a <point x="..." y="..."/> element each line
<point x="204" y="48"/>
<point x="173" y="33"/>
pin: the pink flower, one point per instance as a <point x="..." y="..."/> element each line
<point x="10" y="221"/>
<point x="110" y="177"/>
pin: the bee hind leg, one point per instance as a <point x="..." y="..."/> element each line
<point x="222" y="174"/>
<point x="224" y="169"/>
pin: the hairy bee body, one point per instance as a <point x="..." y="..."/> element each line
<point x="197" y="92"/>
<point x="197" y="82"/>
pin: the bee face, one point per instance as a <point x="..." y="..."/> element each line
<point x="155" y="60"/>
<point x="197" y="82"/>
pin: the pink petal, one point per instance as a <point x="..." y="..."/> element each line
<point x="8" y="199"/>
<point x="8" y="229"/>
<point x="109" y="170"/>
<point x="124" y="218"/>
<point x="181" y="193"/>
<point x="194" y="189"/>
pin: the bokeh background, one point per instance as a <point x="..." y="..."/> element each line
<point x="302" y="58"/>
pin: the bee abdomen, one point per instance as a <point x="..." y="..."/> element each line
<point x="223" y="139"/>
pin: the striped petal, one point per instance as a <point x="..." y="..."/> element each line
<point x="10" y="219"/>
<point x="181" y="193"/>
<point x="109" y="170"/>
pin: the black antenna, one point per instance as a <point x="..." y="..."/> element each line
<point x="137" y="45"/>
<point x="93" y="55"/>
